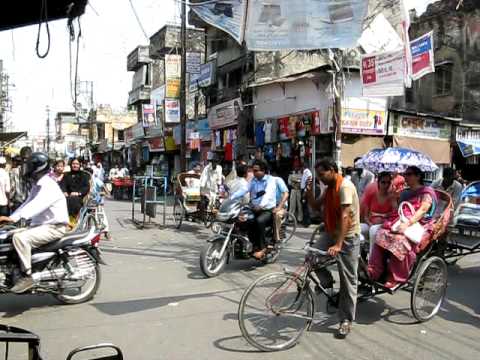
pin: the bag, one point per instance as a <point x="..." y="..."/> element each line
<point x="414" y="232"/>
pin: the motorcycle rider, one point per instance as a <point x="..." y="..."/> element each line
<point x="280" y="210"/>
<point x="46" y="207"/>
<point x="263" y="198"/>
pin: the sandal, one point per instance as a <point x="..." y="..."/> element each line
<point x="344" y="329"/>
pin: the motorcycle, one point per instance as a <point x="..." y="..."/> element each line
<point x="68" y="268"/>
<point x="231" y="239"/>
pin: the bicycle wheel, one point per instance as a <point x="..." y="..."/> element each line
<point x="288" y="228"/>
<point x="429" y="289"/>
<point x="178" y="212"/>
<point x="274" y="311"/>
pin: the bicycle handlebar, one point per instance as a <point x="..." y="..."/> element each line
<point x="314" y="250"/>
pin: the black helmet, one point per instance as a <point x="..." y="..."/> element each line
<point x="38" y="162"/>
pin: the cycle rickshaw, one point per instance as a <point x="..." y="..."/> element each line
<point x="188" y="203"/>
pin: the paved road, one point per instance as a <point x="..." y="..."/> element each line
<point x="155" y="304"/>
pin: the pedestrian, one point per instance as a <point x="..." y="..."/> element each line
<point x="450" y="185"/>
<point x="341" y="238"/>
<point x="294" y="181"/>
<point x="306" y="178"/>
<point x="361" y="178"/>
<point x="19" y="184"/>
<point x="75" y="186"/>
<point x="4" y="187"/>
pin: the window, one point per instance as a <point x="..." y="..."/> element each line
<point x="101" y="131"/>
<point x="121" y="135"/>
<point x="443" y="79"/>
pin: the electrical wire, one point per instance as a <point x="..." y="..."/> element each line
<point x="138" y="20"/>
<point x="206" y="2"/>
<point x="43" y="18"/>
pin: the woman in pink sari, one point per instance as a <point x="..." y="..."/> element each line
<point x="401" y="251"/>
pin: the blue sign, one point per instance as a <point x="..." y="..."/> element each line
<point x="205" y="78"/>
<point x="421" y="45"/>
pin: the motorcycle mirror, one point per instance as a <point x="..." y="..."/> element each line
<point x="109" y="351"/>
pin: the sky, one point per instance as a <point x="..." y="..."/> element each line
<point x="109" y="33"/>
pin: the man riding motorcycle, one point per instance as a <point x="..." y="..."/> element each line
<point x="263" y="198"/>
<point x="46" y="207"/>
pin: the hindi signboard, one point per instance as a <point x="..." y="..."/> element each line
<point x="225" y="114"/>
<point x="383" y="73"/>
<point x="366" y="116"/>
<point x="422" y="56"/>
<point x="172" y="111"/>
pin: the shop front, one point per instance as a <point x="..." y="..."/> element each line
<point x="427" y="134"/>
<point x="364" y="123"/>
<point x="223" y="124"/>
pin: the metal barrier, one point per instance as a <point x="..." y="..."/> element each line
<point x="146" y="189"/>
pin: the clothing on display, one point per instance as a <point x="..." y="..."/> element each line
<point x="286" y="149"/>
<point x="284" y="131"/>
<point x="268" y="131"/>
<point x="259" y="135"/>
<point x="292" y="126"/>
<point x="274" y="131"/>
<point x="229" y="152"/>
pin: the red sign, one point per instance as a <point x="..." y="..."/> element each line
<point x="368" y="66"/>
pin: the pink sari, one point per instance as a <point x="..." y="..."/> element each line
<point x="403" y="251"/>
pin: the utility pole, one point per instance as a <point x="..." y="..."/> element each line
<point x="183" y="95"/>
<point x="48" y="130"/>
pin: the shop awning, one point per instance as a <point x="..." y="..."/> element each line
<point x="360" y="147"/>
<point x="438" y="150"/>
<point x="8" y="138"/>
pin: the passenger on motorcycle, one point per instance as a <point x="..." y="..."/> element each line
<point x="263" y="193"/>
<point x="46" y="207"/>
<point x="280" y="210"/>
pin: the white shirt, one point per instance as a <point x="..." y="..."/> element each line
<point x="307" y="174"/>
<point x="114" y="173"/>
<point x="4" y="187"/>
<point x="124" y="172"/>
<point x="455" y="190"/>
<point x="210" y="180"/>
<point x="45" y="205"/>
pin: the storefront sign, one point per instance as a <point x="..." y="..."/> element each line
<point x="383" y="74"/>
<point x="225" y="114"/>
<point x="202" y="127"/>
<point x="172" y="111"/>
<point x="157" y="95"/>
<point x="422" y="56"/>
<point x="205" y="78"/>
<point x="137" y="131"/>
<point x="419" y="127"/>
<point x="149" y="118"/>
<point x="173" y="88"/>
<point x="321" y="123"/>
<point x="304" y="24"/>
<point x="173" y="66"/>
<point x="366" y="116"/>
<point x="156" y="144"/>
<point x="154" y="131"/>
<point x="194" y="60"/>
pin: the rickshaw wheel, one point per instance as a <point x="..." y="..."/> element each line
<point x="178" y="212"/>
<point x="429" y="289"/>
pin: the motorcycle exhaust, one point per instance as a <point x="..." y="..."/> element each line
<point x="46" y="275"/>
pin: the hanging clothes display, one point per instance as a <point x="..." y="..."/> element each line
<point x="259" y="135"/>
<point x="292" y="126"/>
<point x="268" y="131"/>
<point x="228" y="152"/>
<point x="274" y="131"/>
<point x="195" y="142"/>
<point x="218" y="138"/>
<point x="283" y="125"/>
<point x="300" y="127"/>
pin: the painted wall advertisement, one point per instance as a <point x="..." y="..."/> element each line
<point x="304" y="24"/>
<point x="422" y="56"/>
<point x="419" y="127"/>
<point x="383" y="74"/>
<point x="172" y="111"/>
<point x="225" y="114"/>
<point x="367" y="116"/>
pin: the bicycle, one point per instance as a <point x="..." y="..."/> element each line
<point x="286" y="299"/>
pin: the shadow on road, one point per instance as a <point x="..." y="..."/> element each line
<point x="115" y="308"/>
<point x="235" y="344"/>
<point x="13" y="305"/>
